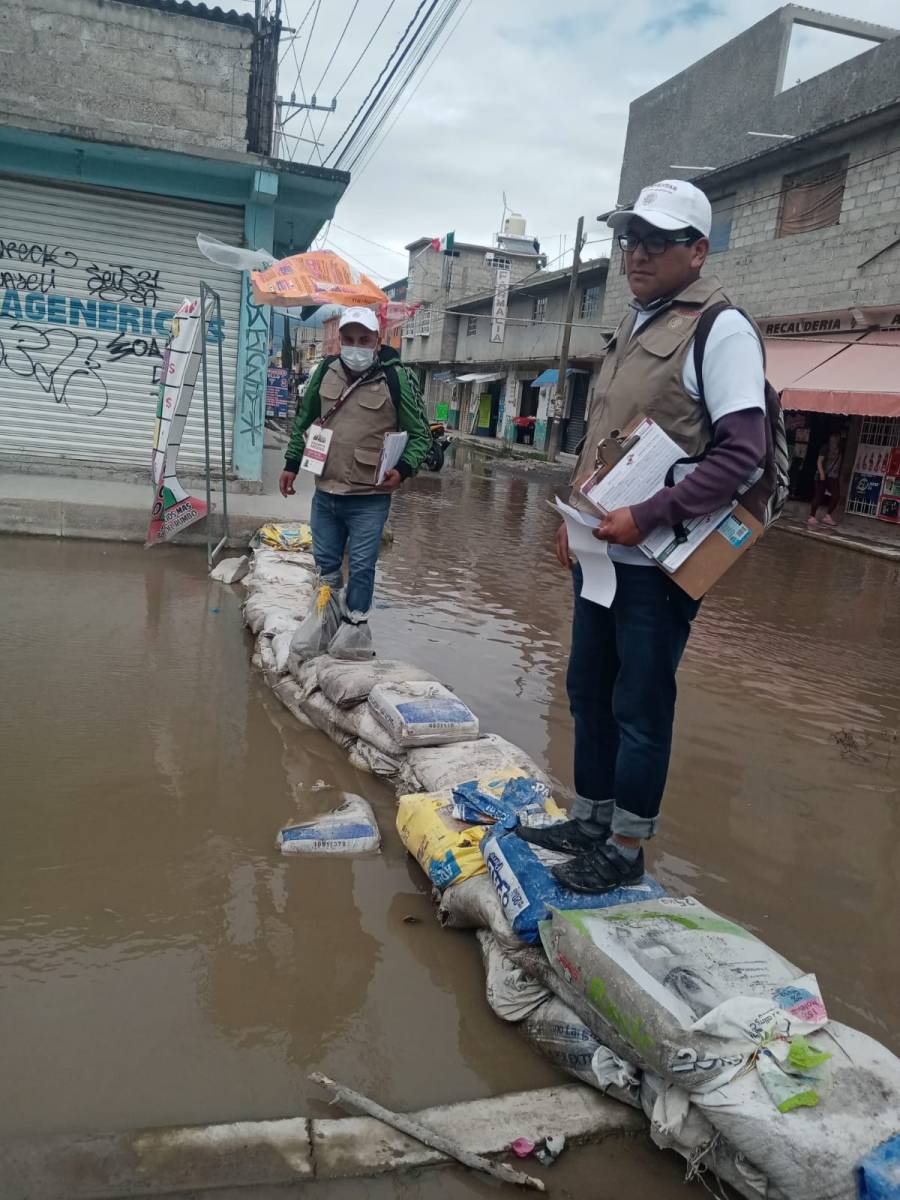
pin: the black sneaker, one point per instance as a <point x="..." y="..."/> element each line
<point x="602" y="869"/>
<point x="567" y="837"/>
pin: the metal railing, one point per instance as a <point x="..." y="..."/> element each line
<point x="210" y="300"/>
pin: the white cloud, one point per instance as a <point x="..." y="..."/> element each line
<point x="527" y="98"/>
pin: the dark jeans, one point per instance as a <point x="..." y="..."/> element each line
<point x="355" y="524"/>
<point x="821" y="488"/>
<point x="621" y="685"/>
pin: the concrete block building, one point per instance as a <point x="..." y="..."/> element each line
<point x="806" y="230"/>
<point x="127" y="127"/>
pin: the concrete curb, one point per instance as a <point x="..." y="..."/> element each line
<point x="154" y="1162"/>
<point x="886" y="552"/>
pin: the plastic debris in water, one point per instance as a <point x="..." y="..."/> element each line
<point x="522" y="1148"/>
<point x="553" y="1146"/>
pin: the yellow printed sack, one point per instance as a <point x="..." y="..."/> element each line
<point x="449" y="850"/>
<point x="282" y="537"/>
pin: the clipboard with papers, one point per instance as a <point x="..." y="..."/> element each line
<point x="630" y="467"/>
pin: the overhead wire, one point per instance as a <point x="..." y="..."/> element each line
<point x="440" y="24"/>
<point x="380" y="76"/>
<point x="296" y="33"/>
<point x="337" y="47"/>
<point x="380" y="245"/>
<point x="369" y="270"/>
<point x="406" y="104"/>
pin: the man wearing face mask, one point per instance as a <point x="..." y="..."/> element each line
<point x="354" y="399"/>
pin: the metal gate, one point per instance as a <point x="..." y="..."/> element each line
<point x="878" y="437"/>
<point x="575" y="426"/>
<point x="88" y="280"/>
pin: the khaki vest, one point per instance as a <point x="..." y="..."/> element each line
<point x="642" y="375"/>
<point x="358" y="429"/>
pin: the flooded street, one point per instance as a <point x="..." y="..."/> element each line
<point x="161" y="964"/>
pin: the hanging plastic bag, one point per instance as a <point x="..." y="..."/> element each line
<point x="352" y="642"/>
<point x="314" y="635"/>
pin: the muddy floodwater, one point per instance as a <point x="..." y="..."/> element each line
<point x="161" y="964"/>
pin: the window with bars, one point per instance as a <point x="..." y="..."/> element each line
<point x="409" y="327"/>
<point x="423" y="322"/>
<point x="499" y="263"/>
<point x="447" y="272"/>
<point x="471" y="326"/>
<point x="722" y="214"/>
<point x="812" y="199"/>
<point x="539" y="309"/>
<point x="590" y="303"/>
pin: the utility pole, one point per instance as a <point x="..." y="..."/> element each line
<point x="559" y="403"/>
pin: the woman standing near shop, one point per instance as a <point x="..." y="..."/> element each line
<point x="828" y="480"/>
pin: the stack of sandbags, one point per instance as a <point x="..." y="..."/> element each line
<point x="748" y="1064"/>
<point x="279" y="588"/>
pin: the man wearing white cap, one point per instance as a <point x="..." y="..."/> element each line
<point x="621" y="678"/>
<point x="352" y="400"/>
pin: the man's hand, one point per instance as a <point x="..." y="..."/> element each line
<point x="564" y="558"/>
<point x="392" y="481"/>
<point x="619" y="528"/>
<point x="286" y="483"/>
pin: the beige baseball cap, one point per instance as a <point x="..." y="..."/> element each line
<point x="359" y="316"/>
<point x="669" y="204"/>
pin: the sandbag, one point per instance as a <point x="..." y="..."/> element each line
<point x="264" y="657"/>
<point x="305" y="674"/>
<point x="523" y="801"/>
<point x="693" y="993"/>
<point x="447" y="849"/>
<point x="435" y="768"/>
<point x="270" y="600"/>
<point x="365" y="757"/>
<point x="319" y="625"/>
<point x="350" y="828"/>
<point x="520" y="872"/>
<point x="511" y="993"/>
<point x="321" y="713"/>
<point x="878" y="1174"/>
<point x="347" y="684"/>
<point x="812" y="1153"/>
<point x="474" y="904"/>
<point x="231" y="570"/>
<point x="281" y="648"/>
<point x="293" y="539"/>
<point x="422" y="714"/>
<point x="292" y="697"/>
<point x="357" y="722"/>
<point x="269" y="569"/>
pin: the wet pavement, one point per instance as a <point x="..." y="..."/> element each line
<point x="160" y="963"/>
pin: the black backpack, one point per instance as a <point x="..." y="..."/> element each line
<point x="765" y="498"/>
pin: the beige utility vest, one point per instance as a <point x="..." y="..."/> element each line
<point x="358" y="430"/>
<point x="643" y="376"/>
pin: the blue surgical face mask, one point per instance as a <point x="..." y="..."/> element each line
<point x="357" y="359"/>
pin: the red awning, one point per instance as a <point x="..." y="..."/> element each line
<point x="862" y="380"/>
<point x="789" y="359"/>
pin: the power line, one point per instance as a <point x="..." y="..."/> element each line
<point x="388" y="131"/>
<point x="296" y="32"/>
<point x="309" y="40"/>
<point x="434" y="33"/>
<point x="369" y="270"/>
<point x="338" y="44"/>
<point x="379" y="78"/>
<point x="380" y="245"/>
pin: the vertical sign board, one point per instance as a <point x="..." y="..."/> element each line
<point x="173" y="509"/>
<point x="889" y="504"/>
<point x="501" y="304"/>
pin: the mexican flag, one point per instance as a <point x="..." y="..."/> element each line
<point x="445" y="244"/>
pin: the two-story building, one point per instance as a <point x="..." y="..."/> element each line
<point x="127" y="127"/>
<point x="501" y="380"/>
<point x="806" y="230"/>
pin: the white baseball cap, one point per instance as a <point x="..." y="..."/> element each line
<point x="669" y="204"/>
<point x="359" y="316"/>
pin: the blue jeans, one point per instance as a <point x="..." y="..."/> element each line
<point x="621" y="685"/>
<point x="358" y="521"/>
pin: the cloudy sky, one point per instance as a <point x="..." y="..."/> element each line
<point x="527" y="97"/>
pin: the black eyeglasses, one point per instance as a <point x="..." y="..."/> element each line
<point x="653" y="243"/>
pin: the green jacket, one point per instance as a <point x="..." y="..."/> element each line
<point x="411" y="418"/>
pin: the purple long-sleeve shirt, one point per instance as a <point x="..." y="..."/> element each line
<point x="738" y="448"/>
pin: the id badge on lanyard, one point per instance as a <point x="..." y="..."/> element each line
<point x="315" y="455"/>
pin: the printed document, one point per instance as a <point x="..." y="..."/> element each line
<point x="391" y="453"/>
<point x="597" y="568"/>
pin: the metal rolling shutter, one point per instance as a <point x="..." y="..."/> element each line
<point x="577" y="423"/>
<point x="80" y="339"/>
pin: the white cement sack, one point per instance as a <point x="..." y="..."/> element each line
<point x="511" y="992"/>
<point x="365" y="757"/>
<point x="811" y="1153"/>
<point x="676" y="1124"/>
<point x="437" y="768"/>
<point x="349" y="829"/>
<point x="231" y="570"/>
<point x="264" y="658"/>
<point x="306" y="674"/>
<point x="321" y="712"/>
<point x="271" y="567"/>
<point x="474" y="904"/>
<point x="422" y="714"/>
<point x="358" y="723"/>
<point x="281" y="648"/>
<point x="292" y="697"/>
<point x="693" y="993"/>
<point x="349" y="683"/>
<point x="271" y="600"/>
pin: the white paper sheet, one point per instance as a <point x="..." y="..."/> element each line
<point x="597" y="569"/>
<point x="391" y="453"/>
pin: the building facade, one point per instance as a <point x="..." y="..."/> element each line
<point x="127" y="127"/>
<point x="806" y="237"/>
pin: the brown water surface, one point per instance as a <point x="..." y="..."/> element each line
<point x="160" y="963"/>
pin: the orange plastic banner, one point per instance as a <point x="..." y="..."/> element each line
<point x="317" y="277"/>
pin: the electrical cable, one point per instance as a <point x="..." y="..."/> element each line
<point x="380" y="245"/>
<point x="368" y="270"/>
<point x="337" y="46"/>
<point x="296" y="32"/>
<point x="381" y="73"/>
